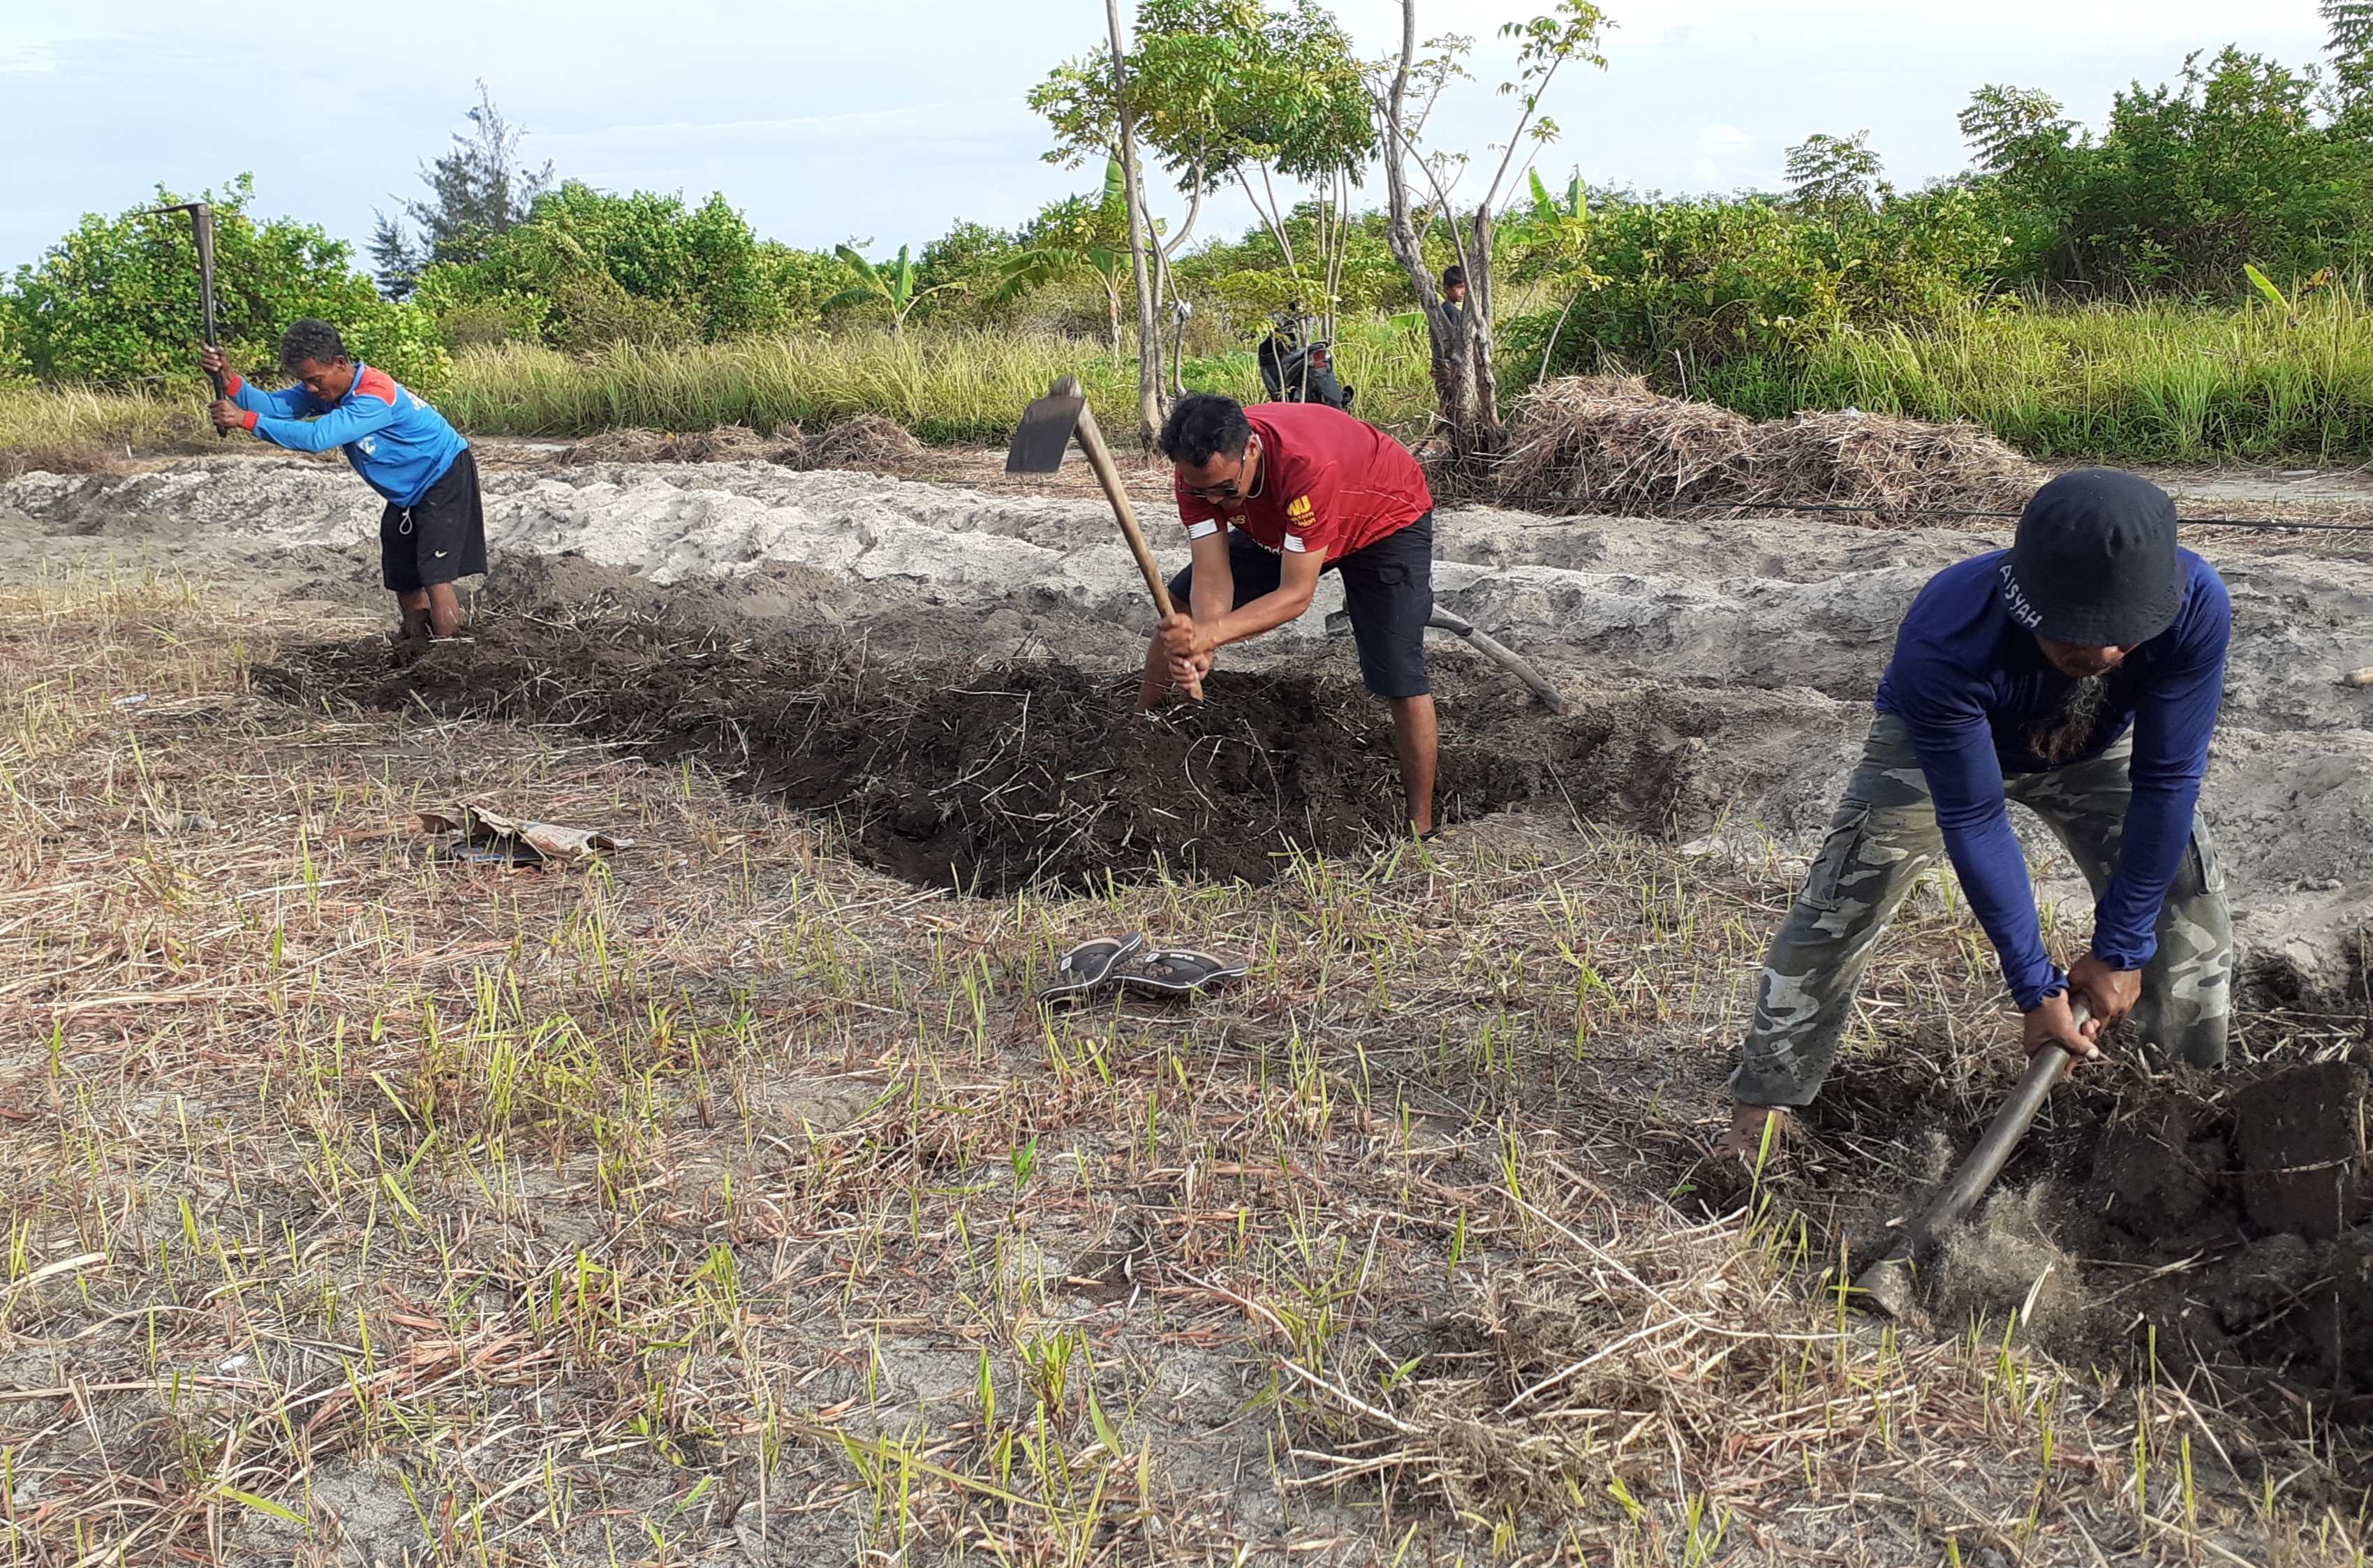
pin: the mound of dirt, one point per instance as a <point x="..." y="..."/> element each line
<point x="953" y="775"/>
<point x="1607" y="444"/>
<point x="2214" y="1220"/>
<point x="866" y="441"/>
<point x="14" y="461"/>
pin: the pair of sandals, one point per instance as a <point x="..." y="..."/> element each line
<point x="1128" y="963"/>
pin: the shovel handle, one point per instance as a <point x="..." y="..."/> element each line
<point x="1091" y="441"/>
<point x="1958" y="1195"/>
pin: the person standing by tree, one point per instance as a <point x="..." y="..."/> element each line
<point x="433" y="529"/>
<point x="1273" y="495"/>
<point x="2079" y="673"/>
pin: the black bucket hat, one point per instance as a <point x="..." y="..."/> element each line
<point x="2094" y="561"/>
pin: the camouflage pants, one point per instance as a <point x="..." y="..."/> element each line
<point x="1885" y="834"/>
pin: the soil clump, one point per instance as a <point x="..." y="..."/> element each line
<point x="989" y="777"/>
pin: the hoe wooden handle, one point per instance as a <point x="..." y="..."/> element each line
<point x="1885" y="1284"/>
<point x="1091" y="441"/>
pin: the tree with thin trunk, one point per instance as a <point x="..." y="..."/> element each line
<point x="1141" y="234"/>
<point x="1467" y="391"/>
<point x="1221" y="90"/>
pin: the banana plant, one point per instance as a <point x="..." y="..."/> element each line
<point x="2322" y="278"/>
<point x="893" y="283"/>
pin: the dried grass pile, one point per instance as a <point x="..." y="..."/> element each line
<point x="1607" y="444"/>
<point x="864" y="441"/>
<point x="1566" y="1383"/>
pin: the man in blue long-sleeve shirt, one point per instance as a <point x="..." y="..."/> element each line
<point x="433" y="529"/>
<point x="2078" y="672"/>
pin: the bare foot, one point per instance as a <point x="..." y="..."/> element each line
<point x="1755" y="1134"/>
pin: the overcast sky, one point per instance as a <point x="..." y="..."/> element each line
<point x="827" y="121"/>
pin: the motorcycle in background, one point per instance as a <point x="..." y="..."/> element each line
<point x="1298" y="367"/>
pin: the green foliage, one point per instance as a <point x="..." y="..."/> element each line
<point x="1834" y="174"/>
<point x="590" y="269"/>
<point x="2229" y="165"/>
<point x="476" y="191"/>
<point x="1218" y="88"/>
<point x="116" y="302"/>
<point x="1720" y="280"/>
<point x="893" y="284"/>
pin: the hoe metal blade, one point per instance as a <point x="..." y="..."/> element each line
<point x="1045" y="431"/>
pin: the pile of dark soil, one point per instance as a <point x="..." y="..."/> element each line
<point x="953" y="775"/>
<point x="2219" y="1223"/>
<point x="2230" y="1211"/>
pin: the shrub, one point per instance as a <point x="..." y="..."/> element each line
<point x="589" y="269"/>
<point x="116" y="302"/>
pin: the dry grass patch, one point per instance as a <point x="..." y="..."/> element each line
<point x="731" y="1199"/>
<point x="1607" y="444"/>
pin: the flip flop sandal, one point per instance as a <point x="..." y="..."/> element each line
<point x="1178" y="971"/>
<point x="1088" y="966"/>
<point x="495" y="852"/>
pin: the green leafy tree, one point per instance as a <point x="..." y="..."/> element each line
<point x="116" y="302"/>
<point x="590" y="269"/>
<point x="1075" y="238"/>
<point x="1834" y="174"/>
<point x="2349" y="40"/>
<point x="476" y="191"/>
<point x="2230" y="163"/>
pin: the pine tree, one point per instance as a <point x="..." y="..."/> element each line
<point x="2349" y="41"/>
<point x="477" y="190"/>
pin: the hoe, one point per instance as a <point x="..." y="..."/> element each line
<point x="1885" y="1286"/>
<point x="202" y="217"/>
<point x="1047" y="426"/>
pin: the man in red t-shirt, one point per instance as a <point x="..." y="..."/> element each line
<point x="1271" y="496"/>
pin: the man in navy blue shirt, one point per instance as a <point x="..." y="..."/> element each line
<point x="2078" y="672"/>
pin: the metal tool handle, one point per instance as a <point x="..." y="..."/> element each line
<point x="1881" y="1283"/>
<point x="1091" y="441"/>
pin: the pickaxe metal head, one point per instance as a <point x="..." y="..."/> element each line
<point x="1045" y="431"/>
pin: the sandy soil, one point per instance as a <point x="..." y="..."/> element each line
<point x="940" y="674"/>
<point x="1618" y="609"/>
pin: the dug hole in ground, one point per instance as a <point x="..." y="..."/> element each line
<point x="731" y="1197"/>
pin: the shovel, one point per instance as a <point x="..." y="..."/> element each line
<point x="1885" y="1286"/>
<point x="202" y="217"/>
<point x="1047" y="426"/>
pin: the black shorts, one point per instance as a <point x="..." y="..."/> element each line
<point x="1387" y="587"/>
<point x="437" y="538"/>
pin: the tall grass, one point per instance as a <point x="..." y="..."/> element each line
<point x="78" y="416"/>
<point x="945" y="386"/>
<point x="2162" y="383"/>
<point x="2150" y="383"/>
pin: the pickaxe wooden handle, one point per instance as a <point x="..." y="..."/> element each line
<point x="1091" y="441"/>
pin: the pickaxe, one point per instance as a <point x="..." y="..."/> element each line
<point x="203" y="215"/>
<point x="1047" y="426"/>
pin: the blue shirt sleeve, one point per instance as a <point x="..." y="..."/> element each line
<point x="350" y="421"/>
<point x="288" y="402"/>
<point x="2175" y="716"/>
<point x="1946" y="720"/>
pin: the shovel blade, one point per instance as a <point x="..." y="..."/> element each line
<point x="1046" y="426"/>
